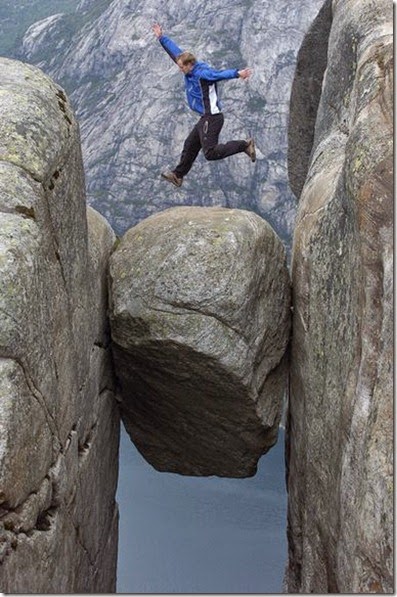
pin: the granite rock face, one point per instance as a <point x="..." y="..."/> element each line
<point x="200" y="317"/>
<point x="340" y="436"/>
<point x="306" y="93"/>
<point x="128" y="93"/>
<point x="58" y="420"/>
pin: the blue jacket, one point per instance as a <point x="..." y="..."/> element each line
<point x="201" y="82"/>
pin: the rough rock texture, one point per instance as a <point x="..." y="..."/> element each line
<point x="129" y="94"/>
<point x="306" y="93"/>
<point x="200" y="323"/>
<point x="340" y="436"/>
<point x="58" y="421"/>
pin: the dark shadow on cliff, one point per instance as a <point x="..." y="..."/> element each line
<point x="305" y="97"/>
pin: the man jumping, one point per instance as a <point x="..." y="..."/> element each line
<point x="202" y="96"/>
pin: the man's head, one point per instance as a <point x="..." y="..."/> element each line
<point x="186" y="62"/>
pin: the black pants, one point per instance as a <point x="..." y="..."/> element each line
<point x="205" y="136"/>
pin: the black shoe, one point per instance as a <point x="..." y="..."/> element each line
<point x="172" y="177"/>
<point x="250" y="149"/>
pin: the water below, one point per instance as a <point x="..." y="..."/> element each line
<point x="201" y="535"/>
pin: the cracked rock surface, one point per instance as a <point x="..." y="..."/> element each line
<point x="340" y="431"/>
<point x="58" y="420"/>
<point x="200" y="312"/>
<point x="128" y="93"/>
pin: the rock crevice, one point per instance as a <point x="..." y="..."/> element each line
<point x="199" y="330"/>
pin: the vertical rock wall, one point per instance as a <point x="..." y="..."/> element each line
<point x="58" y="420"/>
<point x="340" y="429"/>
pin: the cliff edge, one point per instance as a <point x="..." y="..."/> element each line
<point x="58" y="421"/>
<point x="340" y="424"/>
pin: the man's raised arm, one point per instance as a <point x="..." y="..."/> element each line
<point x="169" y="46"/>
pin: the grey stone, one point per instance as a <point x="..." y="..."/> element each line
<point x="200" y="323"/>
<point x="305" y="97"/>
<point x="58" y="416"/>
<point x="129" y="94"/>
<point x="340" y="437"/>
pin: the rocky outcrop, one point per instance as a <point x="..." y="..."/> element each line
<point x="340" y="432"/>
<point x="200" y="323"/>
<point x="200" y="297"/>
<point x="58" y="420"/>
<point x="129" y="94"/>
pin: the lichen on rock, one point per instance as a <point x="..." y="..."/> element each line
<point x="200" y="311"/>
<point x="340" y="430"/>
<point x="59" y="422"/>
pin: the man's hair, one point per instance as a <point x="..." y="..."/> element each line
<point x="187" y="58"/>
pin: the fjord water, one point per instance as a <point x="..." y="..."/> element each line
<point x="201" y="535"/>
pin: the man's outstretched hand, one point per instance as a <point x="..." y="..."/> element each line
<point x="245" y="73"/>
<point x="157" y="30"/>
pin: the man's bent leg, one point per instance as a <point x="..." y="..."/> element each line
<point x="210" y="127"/>
<point x="190" y="151"/>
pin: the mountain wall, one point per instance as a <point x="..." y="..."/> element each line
<point x="340" y="424"/>
<point x="59" y="424"/>
<point x="129" y="99"/>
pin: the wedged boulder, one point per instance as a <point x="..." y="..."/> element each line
<point x="200" y="320"/>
